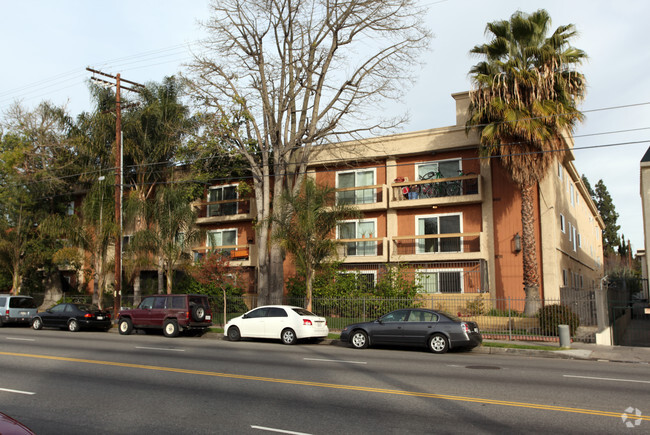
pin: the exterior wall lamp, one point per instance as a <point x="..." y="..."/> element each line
<point x="516" y="243"/>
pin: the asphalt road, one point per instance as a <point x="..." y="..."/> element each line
<point x="93" y="382"/>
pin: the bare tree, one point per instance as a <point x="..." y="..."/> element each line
<point x="279" y="77"/>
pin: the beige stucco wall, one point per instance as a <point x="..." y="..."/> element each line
<point x="645" y="203"/>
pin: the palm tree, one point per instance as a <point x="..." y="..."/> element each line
<point x="171" y="232"/>
<point x="525" y="94"/>
<point x="304" y="228"/>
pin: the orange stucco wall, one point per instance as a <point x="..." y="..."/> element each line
<point x="507" y="218"/>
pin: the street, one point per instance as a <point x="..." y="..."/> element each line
<point x="94" y="382"/>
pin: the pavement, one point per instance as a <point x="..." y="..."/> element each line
<point x="579" y="351"/>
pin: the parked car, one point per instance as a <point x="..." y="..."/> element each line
<point x="16" y="309"/>
<point x="12" y="426"/>
<point x="171" y="313"/>
<point x="283" y="322"/>
<point x="437" y="330"/>
<point x="73" y="317"/>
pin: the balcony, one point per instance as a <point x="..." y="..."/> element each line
<point x="230" y="210"/>
<point x="365" y="198"/>
<point x="363" y="250"/>
<point x="464" y="189"/>
<point x="436" y="247"/>
<point x="240" y="255"/>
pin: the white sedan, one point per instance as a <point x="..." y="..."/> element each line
<point x="285" y="322"/>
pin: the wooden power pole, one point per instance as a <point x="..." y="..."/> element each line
<point x="118" y="175"/>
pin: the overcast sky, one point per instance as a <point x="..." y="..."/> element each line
<point x="47" y="45"/>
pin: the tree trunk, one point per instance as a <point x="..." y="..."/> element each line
<point x="161" y="277"/>
<point x="137" y="292"/>
<point x="276" y="282"/>
<point x="170" y="274"/>
<point x="309" y="286"/>
<point x="225" y="309"/>
<point x="529" y="250"/>
<point x="16" y="281"/>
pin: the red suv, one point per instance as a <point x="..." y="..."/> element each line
<point x="171" y="313"/>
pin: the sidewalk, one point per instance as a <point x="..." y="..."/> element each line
<point x="582" y="351"/>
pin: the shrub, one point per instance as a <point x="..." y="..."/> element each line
<point x="550" y="316"/>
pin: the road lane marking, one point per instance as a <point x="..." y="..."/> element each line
<point x="616" y="414"/>
<point x="7" y="390"/>
<point x="335" y="360"/>
<point x="21" y="339"/>
<point x="270" y="429"/>
<point x="160" y="348"/>
<point x="606" y="379"/>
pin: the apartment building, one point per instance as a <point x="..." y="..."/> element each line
<point x="430" y="203"/>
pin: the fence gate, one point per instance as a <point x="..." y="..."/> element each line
<point x="630" y="312"/>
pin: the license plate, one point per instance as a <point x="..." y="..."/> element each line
<point x="100" y="317"/>
<point x="23" y="313"/>
<point x="208" y="317"/>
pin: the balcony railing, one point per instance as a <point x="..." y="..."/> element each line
<point x="366" y="197"/>
<point x="436" y="244"/>
<point x="224" y="210"/>
<point x="448" y="187"/>
<point x="237" y="253"/>
<point x="362" y="249"/>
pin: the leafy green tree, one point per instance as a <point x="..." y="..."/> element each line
<point x="171" y="232"/>
<point x="304" y="227"/>
<point x="280" y="78"/>
<point x="607" y="211"/>
<point x="525" y="97"/>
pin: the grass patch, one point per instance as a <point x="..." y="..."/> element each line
<point x="521" y="346"/>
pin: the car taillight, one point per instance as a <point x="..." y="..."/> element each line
<point x="306" y="322"/>
<point x="464" y="327"/>
<point x="7" y="313"/>
<point x="88" y="315"/>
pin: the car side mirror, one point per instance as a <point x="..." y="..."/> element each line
<point x="245" y="316"/>
<point x="379" y="321"/>
<point x="48" y="310"/>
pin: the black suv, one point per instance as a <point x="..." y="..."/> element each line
<point x="171" y="313"/>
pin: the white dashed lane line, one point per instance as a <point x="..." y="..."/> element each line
<point x="7" y="390"/>
<point x="160" y="348"/>
<point x="20" y="339"/>
<point x="335" y="360"/>
<point x="606" y="379"/>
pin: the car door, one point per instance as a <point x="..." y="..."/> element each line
<point x="389" y="328"/>
<point x="418" y="326"/>
<point x="55" y="316"/>
<point x="276" y="320"/>
<point x="252" y="323"/>
<point x="158" y="311"/>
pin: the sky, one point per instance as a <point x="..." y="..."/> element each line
<point x="47" y="45"/>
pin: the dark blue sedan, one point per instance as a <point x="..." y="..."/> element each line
<point x="73" y="317"/>
<point x="437" y="330"/>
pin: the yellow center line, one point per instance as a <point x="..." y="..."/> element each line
<point x="326" y="385"/>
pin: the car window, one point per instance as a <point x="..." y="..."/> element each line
<point x="3" y="301"/>
<point x="22" y="303"/>
<point x="422" y="316"/>
<point x="159" y="302"/>
<point x="147" y="303"/>
<point x="396" y="316"/>
<point x="303" y="312"/>
<point x="177" y="302"/>
<point x="199" y="301"/>
<point x="260" y="312"/>
<point x="69" y="308"/>
<point x="58" y="308"/>
<point x="276" y="312"/>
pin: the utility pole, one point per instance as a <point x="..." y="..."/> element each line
<point x="118" y="175"/>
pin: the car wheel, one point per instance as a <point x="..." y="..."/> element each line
<point x="234" y="334"/>
<point x="288" y="336"/>
<point x="438" y="343"/>
<point x="170" y="328"/>
<point x="198" y="313"/>
<point x="359" y="340"/>
<point x="73" y="325"/>
<point x="37" y="323"/>
<point x="125" y="326"/>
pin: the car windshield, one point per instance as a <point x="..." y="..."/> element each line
<point x="22" y="303"/>
<point x="303" y="312"/>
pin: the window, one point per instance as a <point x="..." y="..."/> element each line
<point x="562" y="224"/>
<point x="362" y="177"/>
<point x="575" y="241"/>
<point x="565" y="277"/>
<point x="180" y="238"/>
<point x="572" y="193"/>
<point x="570" y="232"/>
<point x="440" y="280"/>
<point x="222" y="193"/>
<point x="422" y="316"/>
<point x="579" y="240"/>
<point x="218" y="238"/>
<point x="560" y="171"/>
<point x="441" y="169"/>
<point x="396" y="316"/>
<point x="147" y="303"/>
<point x="276" y="312"/>
<point x="363" y="280"/>
<point x="438" y="224"/>
<point x="358" y="229"/>
<point x="70" y="208"/>
<point x="260" y="312"/>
